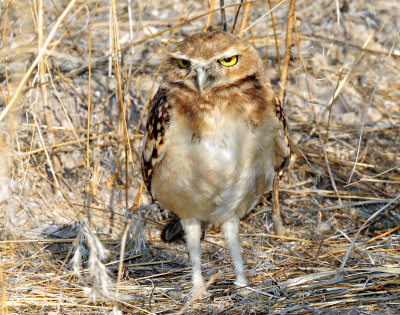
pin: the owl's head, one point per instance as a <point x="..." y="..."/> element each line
<point x="206" y="61"/>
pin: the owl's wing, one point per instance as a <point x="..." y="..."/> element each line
<point x="281" y="137"/>
<point x="154" y="141"/>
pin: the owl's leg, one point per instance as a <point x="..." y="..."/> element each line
<point x="192" y="228"/>
<point x="230" y="229"/>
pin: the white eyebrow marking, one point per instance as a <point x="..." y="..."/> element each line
<point x="198" y="61"/>
<point x="228" y="53"/>
<point x="179" y="55"/>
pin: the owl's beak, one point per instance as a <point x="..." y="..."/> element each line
<point x="201" y="78"/>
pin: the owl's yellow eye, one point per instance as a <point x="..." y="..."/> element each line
<point x="229" y="61"/>
<point x="183" y="63"/>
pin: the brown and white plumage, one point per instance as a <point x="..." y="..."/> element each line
<point x="216" y="135"/>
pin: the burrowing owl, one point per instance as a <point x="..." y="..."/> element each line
<point x="216" y="135"/>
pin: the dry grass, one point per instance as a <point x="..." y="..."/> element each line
<point x="74" y="79"/>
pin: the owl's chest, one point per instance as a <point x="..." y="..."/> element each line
<point x="214" y="174"/>
<point x="222" y="149"/>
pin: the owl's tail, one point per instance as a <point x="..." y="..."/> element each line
<point x="173" y="231"/>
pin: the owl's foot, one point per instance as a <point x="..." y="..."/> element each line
<point x="241" y="287"/>
<point x="241" y="282"/>
<point x="199" y="292"/>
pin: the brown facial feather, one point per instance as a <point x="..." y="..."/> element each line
<point x="211" y="44"/>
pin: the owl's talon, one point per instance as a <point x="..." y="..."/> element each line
<point x="199" y="292"/>
<point x="241" y="283"/>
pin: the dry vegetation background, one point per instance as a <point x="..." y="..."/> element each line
<point x="75" y="237"/>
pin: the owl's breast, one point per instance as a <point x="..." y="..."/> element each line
<point x="216" y="174"/>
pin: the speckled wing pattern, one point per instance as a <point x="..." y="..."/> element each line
<point x="282" y="143"/>
<point x="154" y="140"/>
